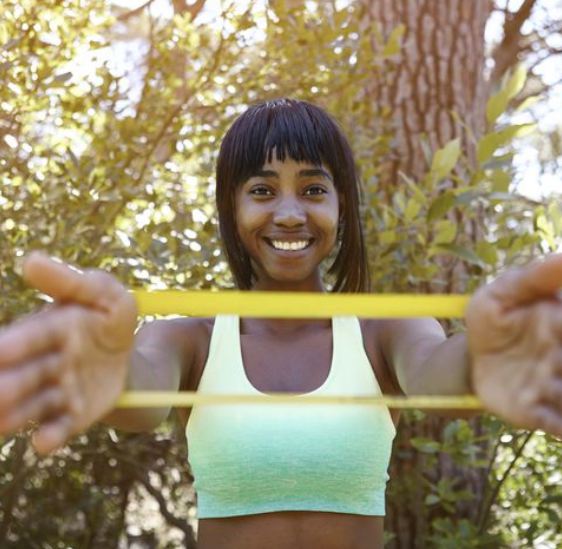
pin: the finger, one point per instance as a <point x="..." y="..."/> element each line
<point x="52" y="434"/>
<point x="44" y="404"/>
<point x="41" y="333"/>
<point x="18" y="383"/>
<point x="538" y="280"/>
<point x="94" y="288"/>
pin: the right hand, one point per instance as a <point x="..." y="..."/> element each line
<point x="65" y="366"/>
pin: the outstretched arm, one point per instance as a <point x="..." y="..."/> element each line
<point x="510" y="357"/>
<point x="425" y="361"/>
<point x="515" y="339"/>
<point x="65" y="366"/>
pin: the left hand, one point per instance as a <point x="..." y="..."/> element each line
<point x="515" y="340"/>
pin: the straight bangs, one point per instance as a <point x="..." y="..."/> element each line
<point x="293" y="129"/>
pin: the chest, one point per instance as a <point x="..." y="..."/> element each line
<point x="295" y="364"/>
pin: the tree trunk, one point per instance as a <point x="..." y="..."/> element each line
<point x="439" y="73"/>
<point x="434" y="82"/>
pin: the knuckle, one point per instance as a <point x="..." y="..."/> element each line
<point x="8" y="390"/>
<point x="76" y="405"/>
<point x="104" y="280"/>
<point x="74" y="314"/>
<point x="54" y="398"/>
<point x="72" y="355"/>
<point x="51" y="365"/>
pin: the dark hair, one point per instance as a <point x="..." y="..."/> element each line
<point x="304" y="133"/>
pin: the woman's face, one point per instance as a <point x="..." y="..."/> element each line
<point x="287" y="219"/>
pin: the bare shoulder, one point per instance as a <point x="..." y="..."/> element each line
<point x="186" y="338"/>
<point x="388" y="330"/>
<point x="397" y="340"/>
<point x="181" y="330"/>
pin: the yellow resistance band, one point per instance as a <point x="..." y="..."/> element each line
<point x="299" y="304"/>
<point x="164" y="399"/>
<point x="296" y="305"/>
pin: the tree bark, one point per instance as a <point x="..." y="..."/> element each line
<point x="439" y="71"/>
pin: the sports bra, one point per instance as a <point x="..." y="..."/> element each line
<point x="248" y="459"/>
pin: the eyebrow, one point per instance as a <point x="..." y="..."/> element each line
<point x="309" y="172"/>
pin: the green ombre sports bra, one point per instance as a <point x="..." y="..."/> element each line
<point x="248" y="459"/>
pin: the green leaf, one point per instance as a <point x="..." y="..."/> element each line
<point x="425" y="445"/>
<point x="445" y="159"/>
<point x="490" y="142"/>
<point x="387" y="237"/>
<point x="394" y="42"/>
<point x="453" y="249"/>
<point x="420" y="196"/>
<point x="441" y="205"/>
<point x="498" y="103"/>
<point x="487" y="252"/>
<point x="529" y="102"/>
<point x="413" y="208"/>
<point x="4" y="34"/>
<point x="500" y="180"/>
<point x="445" y="232"/>
<point x="432" y="499"/>
<point x="555" y="215"/>
<point x="450" y="430"/>
<point x="467" y="197"/>
<point x="546" y="228"/>
<point x="516" y="81"/>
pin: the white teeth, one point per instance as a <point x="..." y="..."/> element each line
<point x="294" y="246"/>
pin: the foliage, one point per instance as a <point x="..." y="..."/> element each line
<point x="86" y="494"/>
<point x="101" y="182"/>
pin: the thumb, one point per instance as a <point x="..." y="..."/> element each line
<point x="93" y="288"/>
<point x="51" y="276"/>
<point x="65" y="283"/>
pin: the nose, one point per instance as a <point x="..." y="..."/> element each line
<point x="289" y="213"/>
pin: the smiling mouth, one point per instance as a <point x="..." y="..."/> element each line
<point x="289" y="246"/>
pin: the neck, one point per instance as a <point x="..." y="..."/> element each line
<point x="310" y="285"/>
<point x="285" y="326"/>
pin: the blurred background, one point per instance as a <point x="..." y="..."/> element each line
<point x="111" y="114"/>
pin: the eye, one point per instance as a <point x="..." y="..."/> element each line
<point x="315" y="190"/>
<point x="260" y="190"/>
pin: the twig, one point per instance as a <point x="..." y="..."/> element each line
<point x="486" y="513"/>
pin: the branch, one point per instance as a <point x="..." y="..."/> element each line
<point x="486" y="513"/>
<point x="171" y="519"/>
<point x="181" y="6"/>
<point x="505" y="53"/>
<point x="149" y="59"/>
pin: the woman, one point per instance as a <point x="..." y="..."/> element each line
<point x="280" y="477"/>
